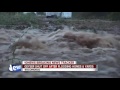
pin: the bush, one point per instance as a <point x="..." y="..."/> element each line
<point x="114" y="16"/>
<point x="97" y="15"/>
<point x="17" y="18"/>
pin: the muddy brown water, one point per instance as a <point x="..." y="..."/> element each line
<point x="107" y="59"/>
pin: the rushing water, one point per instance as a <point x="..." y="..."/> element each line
<point x="56" y="48"/>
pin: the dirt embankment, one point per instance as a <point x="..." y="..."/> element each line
<point x="112" y="27"/>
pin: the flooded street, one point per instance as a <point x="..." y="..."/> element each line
<point x="49" y="46"/>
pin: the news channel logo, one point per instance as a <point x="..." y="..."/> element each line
<point x="15" y="68"/>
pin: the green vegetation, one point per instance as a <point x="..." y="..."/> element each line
<point x="97" y="15"/>
<point x="12" y="18"/>
<point x="18" y="18"/>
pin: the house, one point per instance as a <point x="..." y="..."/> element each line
<point x="54" y="14"/>
<point x="66" y="15"/>
<point x="59" y="14"/>
<point x="29" y="12"/>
